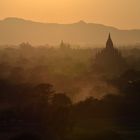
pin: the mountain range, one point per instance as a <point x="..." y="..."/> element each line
<point x="16" y="31"/>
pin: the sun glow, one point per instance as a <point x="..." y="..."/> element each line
<point x="68" y="11"/>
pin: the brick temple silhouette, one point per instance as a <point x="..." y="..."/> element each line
<point x="110" y="60"/>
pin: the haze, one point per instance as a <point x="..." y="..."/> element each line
<point x="123" y="14"/>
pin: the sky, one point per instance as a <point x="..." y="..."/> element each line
<point x="123" y="14"/>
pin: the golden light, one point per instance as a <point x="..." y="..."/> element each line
<point x="120" y="13"/>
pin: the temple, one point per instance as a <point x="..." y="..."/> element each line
<point x="109" y="60"/>
<point x="109" y="43"/>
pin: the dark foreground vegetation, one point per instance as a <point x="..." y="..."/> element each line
<point x="55" y="94"/>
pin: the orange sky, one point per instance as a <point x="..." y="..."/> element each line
<point x="119" y="13"/>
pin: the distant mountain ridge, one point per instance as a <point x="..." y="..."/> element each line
<point x="16" y="30"/>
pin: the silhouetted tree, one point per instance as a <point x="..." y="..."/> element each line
<point x="61" y="100"/>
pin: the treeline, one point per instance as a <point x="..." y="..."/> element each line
<point x="61" y="67"/>
<point x="40" y="110"/>
<point x="54" y="93"/>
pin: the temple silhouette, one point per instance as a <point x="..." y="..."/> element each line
<point x="110" y="60"/>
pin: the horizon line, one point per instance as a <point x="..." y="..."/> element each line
<point x="82" y="21"/>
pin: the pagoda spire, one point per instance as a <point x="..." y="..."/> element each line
<point x="109" y="43"/>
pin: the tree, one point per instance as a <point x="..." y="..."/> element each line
<point x="45" y="92"/>
<point x="61" y="100"/>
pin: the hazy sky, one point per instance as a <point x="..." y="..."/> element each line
<point x="120" y="13"/>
